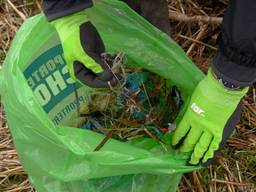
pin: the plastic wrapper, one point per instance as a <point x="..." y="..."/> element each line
<point x="39" y="101"/>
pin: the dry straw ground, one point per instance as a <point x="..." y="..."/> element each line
<point x="195" y="25"/>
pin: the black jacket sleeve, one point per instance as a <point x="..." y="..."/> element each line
<point x="235" y="60"/>
<point x="54" y="9"/>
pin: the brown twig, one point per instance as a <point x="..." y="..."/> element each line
<point x="104" y="141"/>
<point x="230" y="182"/>
<point x="176" y="16"/>
<point x="197" y="182"/>
<point x="38" y="4"/>
<point x="198" y="42"/>
<point x="199" y="36"/>
<point x="156" y="139"/>
<point x="22" y="16"/>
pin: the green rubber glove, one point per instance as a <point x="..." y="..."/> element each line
<point x="82" y="48"/>
<point x="202" y="127"/>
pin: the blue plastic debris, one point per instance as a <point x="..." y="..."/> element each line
<point x="144" y="102"/>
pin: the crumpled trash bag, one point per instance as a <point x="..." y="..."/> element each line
<point x="35" y="86"/>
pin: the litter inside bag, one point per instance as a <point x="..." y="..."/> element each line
<point x="140" y="105"/>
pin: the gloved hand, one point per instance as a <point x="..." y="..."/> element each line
<point x="83" y="47"/>
<point x="202" y="128"/>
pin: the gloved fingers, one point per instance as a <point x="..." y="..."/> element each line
<point x="91" y="79"/>
<point x="214" y="146"/>
<point x="228" y="131"/>
<point x="109" y="58"/>
<point x="106" y="73"/>
<point x="200" y="148"/>
<point x="191" y="139"/>
<point x="93" y="46"/>
<point x="98" y="59"/>
<point x="90" y="39"/>
<point x="99" y="83"/>
<point x="107" y="76"/>
<point x="180" y="132"/>
<point x="90" y="63"/>
<point x="94" y="81"/>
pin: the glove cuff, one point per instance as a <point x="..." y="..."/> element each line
<point x="66" y="25"/>
<point x="220" y="88"/>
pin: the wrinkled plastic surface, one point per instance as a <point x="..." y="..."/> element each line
<point x="61" y="159"/>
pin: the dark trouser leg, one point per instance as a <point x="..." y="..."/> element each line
<point x="155" y="11"/>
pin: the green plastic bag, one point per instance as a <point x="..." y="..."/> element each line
<point x="38" y="96"/>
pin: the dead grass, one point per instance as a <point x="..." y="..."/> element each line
<point x="196" y="25"/>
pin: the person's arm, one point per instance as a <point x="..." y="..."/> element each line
<point x="54" y="9"/>
<point x="215" y="104"/>
<point x="235" y="61"/>
<point x="81" y="42"/>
